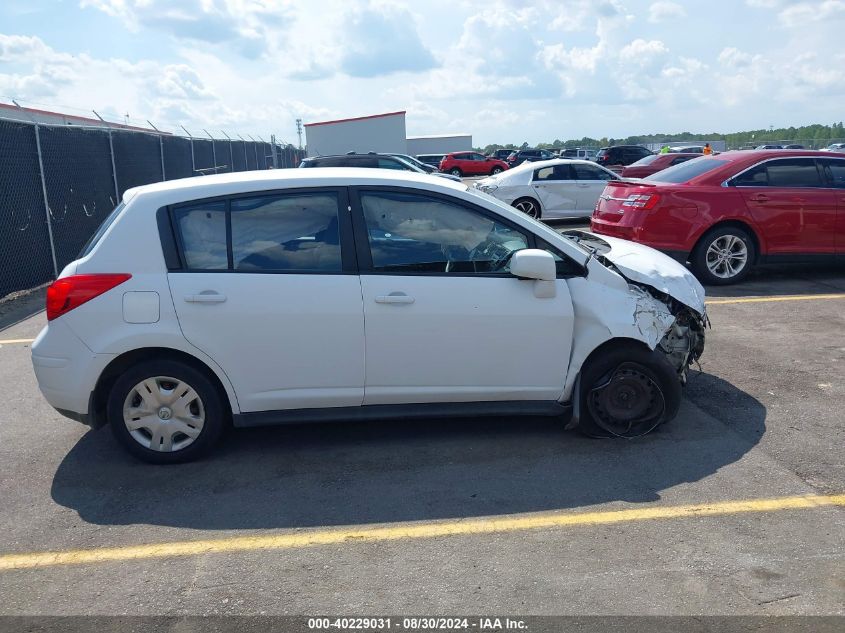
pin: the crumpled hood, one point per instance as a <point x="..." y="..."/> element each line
<point x="650" y="267"/>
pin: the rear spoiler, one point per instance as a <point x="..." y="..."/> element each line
<point x="627" y="182"/>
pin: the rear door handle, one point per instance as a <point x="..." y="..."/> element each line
<point x="394" y="297"/>
<point x="760" y="197"/>
<point x="206" y="297"/>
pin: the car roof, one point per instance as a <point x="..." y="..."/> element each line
<point x="197" y="187"/>
<point x="539" y="164"/>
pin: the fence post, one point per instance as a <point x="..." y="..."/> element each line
<point x="273" y="150"/>
<point x="161" y="149"/>
<point x="254" y="147"/>
<point x="43" y="190"/>
<point x="246" y="162"/>
<point x="213" y="151"/>
<point x="111" y="151"/>
<point x="193" y="162"/>
<point x="231" y="154"/>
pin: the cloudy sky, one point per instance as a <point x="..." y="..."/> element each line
<point x="503" y="70"/>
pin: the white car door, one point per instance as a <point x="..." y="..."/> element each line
<point x="591" y="181"/>
<point x="278" y="304"/>
<point x="445" y="321"/>
<point x="556" y="189"/>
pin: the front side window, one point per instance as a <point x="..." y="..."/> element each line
<point x="286" y="233"/>
<point x="414" y="233"/>
<point x="588" y="172"/>
<point x="202" y="227"/>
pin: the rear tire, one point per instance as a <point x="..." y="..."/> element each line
<point x="627" y="391"/>
<point x="496" y="170"/>
<point x="724" y="255"/>
<point x="168" y="404"/>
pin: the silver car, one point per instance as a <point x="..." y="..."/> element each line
<point x="550" y="189"/>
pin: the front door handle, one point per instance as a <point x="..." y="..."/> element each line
<point x="206" y="297"/>
<point x="394" y="297"/>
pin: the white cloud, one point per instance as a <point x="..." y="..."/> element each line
<point x="734" y="58"/>
<point x="643" y="53"/>
<point x="802" y="13"/>
<point x="665" y="10"/>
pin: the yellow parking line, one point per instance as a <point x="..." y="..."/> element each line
<point x="456" y="527"/>
<point x="712" y="302"/>
<point x="11" y="341"/>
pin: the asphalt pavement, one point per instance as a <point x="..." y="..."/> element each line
<point x="736" y="507"/>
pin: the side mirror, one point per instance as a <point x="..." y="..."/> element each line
<point x="532" y="263"/>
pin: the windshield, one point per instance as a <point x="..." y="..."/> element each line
<point x="687" y="171"/>
<point x="648" y="160"/>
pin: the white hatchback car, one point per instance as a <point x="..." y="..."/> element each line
<point x="341" y="294"/>
<point x="551" y="189"/>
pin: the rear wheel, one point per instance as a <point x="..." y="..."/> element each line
<point x="627" y="391"/>
<point x="455" y="171"/>
<point x="496" y="170"/>
<point x="725" y="255"/>
<point x="528" y="206"/>
<point x="165" y="412"/>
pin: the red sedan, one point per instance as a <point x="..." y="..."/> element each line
<point x="726" y="213"/>
<point x="655" y="163"/>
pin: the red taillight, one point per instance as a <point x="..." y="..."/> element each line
<point x="68" y="293"/>
<point x="645" y="201"/>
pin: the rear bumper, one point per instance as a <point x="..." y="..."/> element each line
<point x="637" y="234"/>
<point x="66" y="370"/>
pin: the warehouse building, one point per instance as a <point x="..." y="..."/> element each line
<point x="383" y="133"/>
<point x="439" y="144"/>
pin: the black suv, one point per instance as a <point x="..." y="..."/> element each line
<point x="371" y="159"/>
<point x="501" y="154"/>
<point x="621" y="155"/>
<point x="528" y="156"/>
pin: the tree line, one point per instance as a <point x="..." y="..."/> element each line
<point x="815" y="134"/>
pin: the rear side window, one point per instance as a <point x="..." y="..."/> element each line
<point x="754" y="177"/>
<point x="647" y="160"/>
<point x="202" y="228"/>
<point x="835" y="170"/>
<point x="286" y="233"/>
<point x="793" y="173"/>
<point x="266" y="233"/>
<point x="687" y="171"/>
<point x="388" y="163"/>
<point x="552" y="172"/>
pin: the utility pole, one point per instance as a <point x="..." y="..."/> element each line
<point x="299" y="131"/>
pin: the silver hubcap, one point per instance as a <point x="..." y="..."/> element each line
<point x="163" y="414"/>
<point x="727" y="256"/>
<point x="527" y="207"/>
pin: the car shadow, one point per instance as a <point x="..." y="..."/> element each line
<point x="358" y="473"/>
<point x="793" y="279"/>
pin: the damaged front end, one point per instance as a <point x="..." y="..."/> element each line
<point x="671" y="327"/>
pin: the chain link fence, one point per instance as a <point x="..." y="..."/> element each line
<point x="58" y="183"/>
